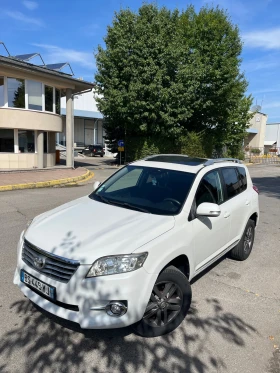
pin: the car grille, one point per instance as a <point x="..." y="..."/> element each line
<point x="58" y="268"/>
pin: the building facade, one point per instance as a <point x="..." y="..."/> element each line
<point x="30" y="113"/>
<point x="256" y="131"/>
<point x="88" y="121"/>
<point x="272" y="135"/>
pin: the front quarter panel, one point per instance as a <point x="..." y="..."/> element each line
<point x="162" y="250"/>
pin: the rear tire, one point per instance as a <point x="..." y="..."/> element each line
<point x="245" y="245"/>
<point x="168" y="305"/>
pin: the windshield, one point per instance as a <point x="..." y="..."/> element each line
<point x="147" y="189"/>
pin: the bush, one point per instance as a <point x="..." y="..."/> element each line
<point x="255" y="151"/>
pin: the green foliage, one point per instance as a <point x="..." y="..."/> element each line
<point x="19" y="95"/>
<point x="165" y="72"/>
<point x="192" y="144"/>
<point x="140" y="147"/>
<point x="255" y="151"/>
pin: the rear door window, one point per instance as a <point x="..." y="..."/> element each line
<point x="242" y="177"/>
<point x="233" y="183"/>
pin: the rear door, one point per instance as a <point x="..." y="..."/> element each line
<point x="211" y="234"/>
<point x="238" y="196"/>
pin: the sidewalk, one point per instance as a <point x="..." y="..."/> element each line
<point x="42" y="178"/>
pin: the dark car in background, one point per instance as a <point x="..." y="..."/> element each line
<point x="93" y="150"/>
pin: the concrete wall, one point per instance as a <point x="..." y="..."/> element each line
<point x="25" y="160"/>
<point x="30" y="120"/>
<point x="258" y="122"/>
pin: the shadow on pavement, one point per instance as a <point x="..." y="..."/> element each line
<point x="268" y="185"/>
<point x="49" y="344"/>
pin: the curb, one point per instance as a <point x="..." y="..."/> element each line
<point x="79" y="182"/>
<point x="46" y="184"/>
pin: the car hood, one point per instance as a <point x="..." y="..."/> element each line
<point x="86" y="230"/>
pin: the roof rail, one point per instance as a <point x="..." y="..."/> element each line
<point x="219" y="160"/>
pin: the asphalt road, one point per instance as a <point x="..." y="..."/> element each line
<point x="233" y="326"/>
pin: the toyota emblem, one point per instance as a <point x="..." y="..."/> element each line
<point x="39" y="262"/>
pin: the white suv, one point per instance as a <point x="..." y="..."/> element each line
<point x="125" y="254"/>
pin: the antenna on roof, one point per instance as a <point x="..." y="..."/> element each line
<point x="256" y="108"/>
<point x="1" y="42"/>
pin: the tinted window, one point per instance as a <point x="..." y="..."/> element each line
<point x="26" y="141"/>
<point x="210" y="189"/>
<point x="242" y="177"/>
<point x="48" y="98"/>
<point x="34" y="95"/>
<point x="154" y="190"/>
<point x="232" y="182"/>
<point x="16" y="93"/>
<point x="1" y="91"/>
<point x="6" y="140"/>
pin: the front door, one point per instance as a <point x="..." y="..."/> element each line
<point x="211" y="234"/>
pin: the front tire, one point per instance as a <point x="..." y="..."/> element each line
<point x="245" y="245"/>
<point x="168" y="305"/>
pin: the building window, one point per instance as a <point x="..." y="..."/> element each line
<point x="26" y="141"/>
<point x="48" y="98"/>
<point x="1" y="91"/>
<point x="34" y="95"/>
<point x="16" y="93"/>
<point x="57" y="101"/>
<point x="6" y="140"/>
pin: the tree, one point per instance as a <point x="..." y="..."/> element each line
<point x="163" y="73"/>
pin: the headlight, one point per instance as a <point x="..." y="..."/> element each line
<point x="26" y="228"/>
<point x="110" y="265"/>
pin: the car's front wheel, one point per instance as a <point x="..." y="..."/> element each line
<point x="168" y="305"/>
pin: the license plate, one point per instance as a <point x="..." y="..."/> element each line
<point x="39" y="285"/>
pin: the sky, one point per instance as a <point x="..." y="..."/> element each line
<point x="70" y="31"/>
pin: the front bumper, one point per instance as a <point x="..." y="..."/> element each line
<point x="91" y="294"/>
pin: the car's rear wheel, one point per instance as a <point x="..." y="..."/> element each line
<point x="245" y="245"/>
<point x="168" y="305"/>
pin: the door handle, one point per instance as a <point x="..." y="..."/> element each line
<point x="226" y="215"/>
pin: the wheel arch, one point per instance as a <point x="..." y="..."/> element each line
<point x="255" y="218"/>
<point x="182" y="263"/>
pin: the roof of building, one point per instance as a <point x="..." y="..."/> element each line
<point x="80" y="85"/>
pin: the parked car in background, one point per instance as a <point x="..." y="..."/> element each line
<point x="93" y="150"/>
<point x="125" y="254"/>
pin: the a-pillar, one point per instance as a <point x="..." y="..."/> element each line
<point x="69" y="129"/>
<point x="40" y="148"/>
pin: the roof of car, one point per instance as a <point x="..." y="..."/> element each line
<point x="184" y="163"/>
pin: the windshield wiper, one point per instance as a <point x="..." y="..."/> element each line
<point x="105" y="200"/>
<point x="125" y="204"/>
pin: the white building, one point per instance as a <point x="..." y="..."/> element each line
<point x="88" y="123"/>
<point x="272" y="135"/>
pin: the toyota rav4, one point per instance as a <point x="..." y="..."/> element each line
<point x="125" y="254"/>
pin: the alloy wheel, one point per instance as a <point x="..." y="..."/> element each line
<point x="164" y="305"/>
<point x="248" y="239"/>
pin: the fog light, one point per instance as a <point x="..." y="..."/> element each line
<point x="116" y="309"/>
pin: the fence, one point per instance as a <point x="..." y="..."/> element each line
<point x="264" y="155"/>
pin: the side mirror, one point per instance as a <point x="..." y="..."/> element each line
<point x="96" y="185"/>
<point x="208" y="209"/>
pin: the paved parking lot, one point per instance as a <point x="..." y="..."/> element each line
<point x="233" y="326"/>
